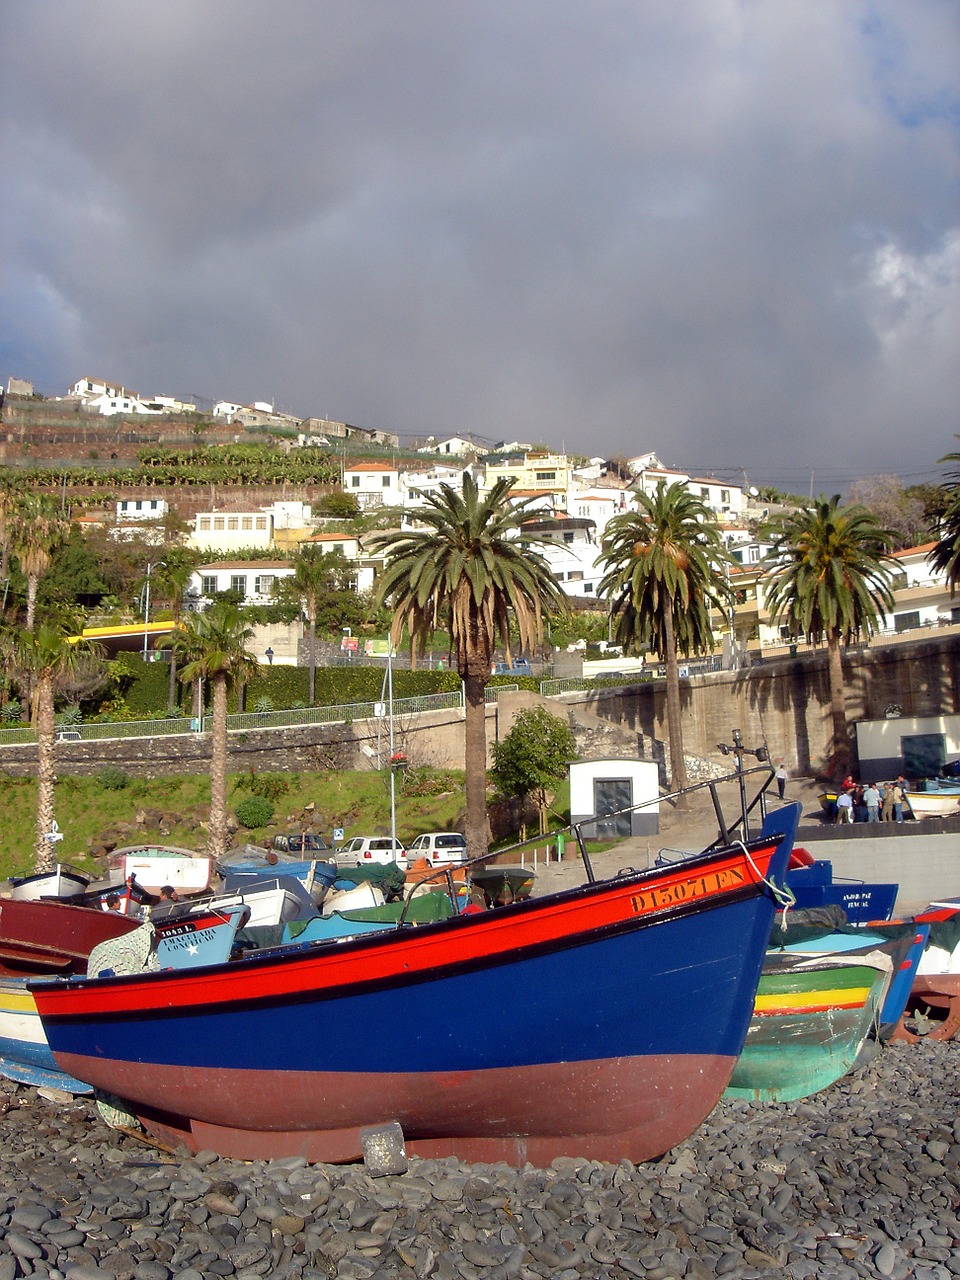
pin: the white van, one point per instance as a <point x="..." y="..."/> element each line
<point x="440" y="848"/>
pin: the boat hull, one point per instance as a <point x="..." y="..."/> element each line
<point x="810" y="1021"/>
<point x="934" y="804"/>
<point x="53" y="937"/>
<point x="540" y="1029"/>
<point x="59" y="883"/>
<point x="814" y="886"/>
<point x="25" y="1055"/>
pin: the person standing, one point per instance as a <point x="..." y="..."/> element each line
<point x="845" y="807"/>
<point x="871" y="798"/>
<point x="898" y="798"/>
<point x="781" y="776"/>
<point x="886" y="809"/>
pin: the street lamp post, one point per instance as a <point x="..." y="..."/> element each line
<point x="160" y="564"/>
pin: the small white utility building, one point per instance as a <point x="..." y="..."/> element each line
<point x="604" y="795"/>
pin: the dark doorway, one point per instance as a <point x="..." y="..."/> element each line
<point x="924" y="754"/>
<point x="610" y="795"/>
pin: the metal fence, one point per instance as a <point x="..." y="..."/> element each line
<point x="239" y="723"/>
<point x="345" y="713"/>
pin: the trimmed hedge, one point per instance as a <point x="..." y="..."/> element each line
<point x="147" y="694"/>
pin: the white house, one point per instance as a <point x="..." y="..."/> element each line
<point x="570" y="546"/>
<point x="108" y="405"/>
<point x="373" y="484"/>
<point x="225" y="531"/>
<point x="138" y="520"/>
<point x="88" y="388"/>
<point x="456" y="446"/>
<point x="726" y="500"/>
<point x="921" y="595"/>
<point x="363" y="570"/>
<point x="131" y="510"/>
<point x="226" y="409"/>
<point x="415" y="485"/>
<point x="599" y="504"/>
<point x="254" y="580"/>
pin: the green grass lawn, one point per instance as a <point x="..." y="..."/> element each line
<point x="172" y="810"/>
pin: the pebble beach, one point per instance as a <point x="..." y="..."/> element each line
<point x="862" y="1179"/>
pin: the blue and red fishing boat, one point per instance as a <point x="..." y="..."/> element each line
<point x="602" y="1021"/>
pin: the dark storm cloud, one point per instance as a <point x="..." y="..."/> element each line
<point x="727" y="232"/>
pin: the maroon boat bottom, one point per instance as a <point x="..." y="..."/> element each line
<point x="936" y="995"/>
<point x="625" y="1108"/>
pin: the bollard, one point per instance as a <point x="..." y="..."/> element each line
<point x="383" y="1150"/>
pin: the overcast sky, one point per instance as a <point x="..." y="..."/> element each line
<point x="727" y="232"/>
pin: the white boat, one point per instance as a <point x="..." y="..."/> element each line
<point x="62" y="882"/>
<point x="154" y="866"/>
<point x="934" y="798"/>
<point x="272" y="901"/>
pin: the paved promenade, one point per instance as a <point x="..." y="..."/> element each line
<point x="922" y="857"/>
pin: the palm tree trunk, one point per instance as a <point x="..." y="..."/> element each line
<point x="32" y="581"/>
<point x="46" y="774"/>
<point x="218" y="770"/>
<point x="838" y="708"/>
<point x="172" y="695"/>
<point x="313" y="654"/>
<point x="475" y="762"/>
<point x="678" y="768"/>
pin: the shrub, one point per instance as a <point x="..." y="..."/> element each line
<point x="112" y="778"/>
<point x="263" y="705"/>
<point x="11" y="710"/>
<point x="254" y="811"/>
<point x="271" y="786"/>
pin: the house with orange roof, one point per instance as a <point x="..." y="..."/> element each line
<point x="374" y="484"/>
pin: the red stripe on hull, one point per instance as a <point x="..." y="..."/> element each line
<point x="705" y="881"/>
<point x="634" y="1109"/>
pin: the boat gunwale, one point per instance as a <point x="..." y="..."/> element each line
<point x="289" y="966"/>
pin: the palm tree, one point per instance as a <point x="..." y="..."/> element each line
<point x="472" y="568"/>
<point x="213" y="647"/>
<point x="36" y="529"/>
<point x="44" y="656"/>
<point x="309" y="581"/>
<point x="172" y="579"/>
<point x="830" y="580"/>
<point x="665" y="565"/>
<point x="945" y="556"/>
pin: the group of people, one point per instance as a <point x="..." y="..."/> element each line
<point x="871" y="802"/>
<point x="113" y="901"/>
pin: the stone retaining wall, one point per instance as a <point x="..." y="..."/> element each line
<point x="782" y="703"/>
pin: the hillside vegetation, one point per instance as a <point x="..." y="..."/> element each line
<point x="119" y="810"/>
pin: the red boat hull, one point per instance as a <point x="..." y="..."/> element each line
<point x="462" y="1108"/>
<point x="48" y="937"/>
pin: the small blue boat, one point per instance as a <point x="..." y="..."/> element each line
<point x="815" y="885"/>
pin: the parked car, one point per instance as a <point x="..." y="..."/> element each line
<point x="302" y="843"/>
<point x="362" y="850"/>
<point x="521" y="667"/>
<point x="439" y="848"/>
